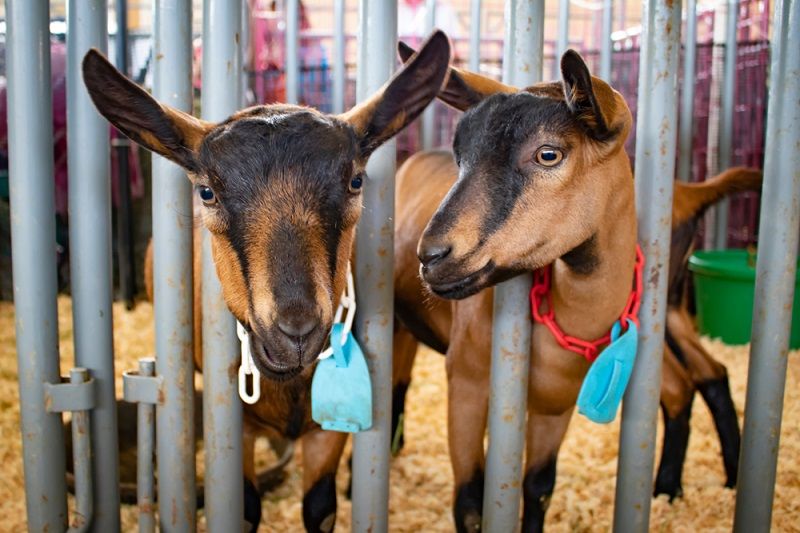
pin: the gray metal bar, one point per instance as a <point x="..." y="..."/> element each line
<point x="374" y="321"/>
<point x="562" y="39"/>
<point x="292" y="51"/>
<point x="775" y="279"/>
<point x="172" y="241"/>
<point x="222" y="409"/>
<point x="33" y="243"/>
<point x="726" y="118"/>
<point x="428" y="120"/>
<point x="82" y="460"/>
<point x="145" y="440"/>
<point x="655" y="167"/>
<point x="606" y="50"/>
<point x="125" y="261"/>
<point x="686" y="122"/>
<point x="475" y="36"/>
<point x="90" y="257"/>
<point x="511" y="326"/>
<point x="339" y="56"/>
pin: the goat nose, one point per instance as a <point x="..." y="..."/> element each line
<point x="433" y="253"/>
<point x="296" y="327"/>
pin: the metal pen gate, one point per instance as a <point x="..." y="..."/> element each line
<point x="166" y="386"/>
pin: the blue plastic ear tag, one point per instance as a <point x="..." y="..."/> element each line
<point x="605" y="383"/>
<point x="341" y="391"/>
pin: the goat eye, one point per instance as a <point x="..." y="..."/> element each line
<point x="548" y="156"/>
<point x="355" y="183"/>
<point x="207" y="195"/>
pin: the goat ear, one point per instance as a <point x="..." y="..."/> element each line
<point x="590" y="99"/>
<point x="403" y="98"/>
<point x="463" y="89"/>
<point x="167" y="131"/>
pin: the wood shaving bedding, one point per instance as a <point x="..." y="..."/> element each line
<point x="421" y="490"/>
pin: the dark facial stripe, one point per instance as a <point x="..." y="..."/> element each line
<point x="503" y="196"/>
<point x="583" y="259"/>
<point x="290" y="262"/>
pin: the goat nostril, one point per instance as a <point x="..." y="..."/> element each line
<point x="298" y="327"/>
<point x="432" y="254"/>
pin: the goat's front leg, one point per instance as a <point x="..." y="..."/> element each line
<point x="404" y="353"/>
<point x="468" y="364"/>
<point x="677" y="392"/>
<point x="252" y="496"/>
<point x="544" y="437"/>
<point x="556" y="376"/>
<point x="321" y="453"/>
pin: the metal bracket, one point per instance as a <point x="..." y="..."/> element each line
<point x="141" y="386"/>
<point x="77" y="395"/>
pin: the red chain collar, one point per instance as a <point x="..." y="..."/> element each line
<point x="588" y="349"/>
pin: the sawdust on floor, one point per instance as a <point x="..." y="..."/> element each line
<point x="421" y="489"/>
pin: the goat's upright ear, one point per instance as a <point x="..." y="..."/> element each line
<point x="463" y="89"/>
<point x="590" y="99"/>
<point x="403" y="97"/>
<point x="167" y="131"/>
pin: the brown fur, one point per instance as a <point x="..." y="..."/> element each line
<point x="592" y="195"/>
<point x="281" y="222"/>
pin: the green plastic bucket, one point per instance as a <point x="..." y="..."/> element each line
<point x="724" y="283"/>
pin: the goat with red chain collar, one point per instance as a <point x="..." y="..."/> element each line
<point x="612" y="355"/>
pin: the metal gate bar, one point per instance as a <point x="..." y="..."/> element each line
<point x="90" y="257"/>
<point x="655" y="167"/>
<point x="775" y="279"/>
<point x="374" y="323"/>
<point x="511" y="325"/>
<point x="172" y="262"/>
<point x="222" y="408"/>
<point x="33" y="241"/>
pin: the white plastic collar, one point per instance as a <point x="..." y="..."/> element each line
<point x="248" y="367"/>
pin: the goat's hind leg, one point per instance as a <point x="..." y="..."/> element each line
<point x="677" y="393"/>
<point x="710" y="377"/>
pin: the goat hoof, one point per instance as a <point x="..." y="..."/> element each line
<point x="252" y="505"/>
<point x="670" y="491"/>
<point x="472" y="521"/>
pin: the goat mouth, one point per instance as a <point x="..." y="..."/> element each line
<point x="269" y="367"/>
<point x="465" y="286"/>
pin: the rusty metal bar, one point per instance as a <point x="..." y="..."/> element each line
<point x="33" y="241"/>
<point x="775" y="279"/>
<point x="222" y="409"/>
<point x="428" y="120"/>
<point x="82" y="460"/>
<point x="606" y="47"/>
<point x="655" y="167"/>
<point x="562" y="38"/>
<point x="339" y="56"/>
<point x="145" y="441"/>
<point x="172" y="243"/>
<point x="726" y="106"/>
<point x="374" y="322"/>
<point x="511" y="326"/>
<point x="475" y="36"/>
<point x="686" y="122"/>
<point x="90" y="260"/>
<point x="292" y="51"/>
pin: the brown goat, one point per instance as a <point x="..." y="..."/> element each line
<point x="540" y="177"/>
<point x="279" y="191"/>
